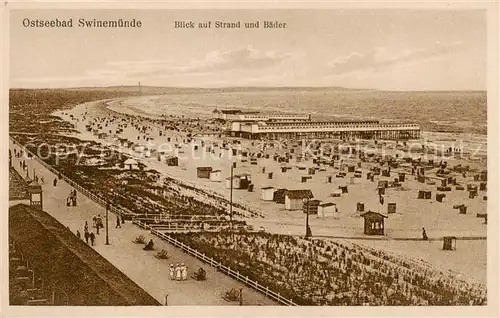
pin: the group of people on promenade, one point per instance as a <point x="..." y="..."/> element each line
<point x="178" y="272"/>
<point x="24" y="166"/>
<point x="18" y="154"/>
<point x="97" y="224"/>
<point x="86" y="234"/>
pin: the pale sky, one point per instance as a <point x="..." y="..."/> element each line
<point x="377" y="49"/>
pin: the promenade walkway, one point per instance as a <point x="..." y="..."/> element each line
<point x="141" y="266"/>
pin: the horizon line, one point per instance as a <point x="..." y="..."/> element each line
<point x="244" y="87"/>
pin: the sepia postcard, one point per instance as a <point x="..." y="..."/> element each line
<point x="301" y="159"/>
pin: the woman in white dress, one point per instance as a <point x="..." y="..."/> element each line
<point x="178" y="272"/>
<point x="184" y="271"/>
<point x="172" y="272"/>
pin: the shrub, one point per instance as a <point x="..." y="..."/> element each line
<point x="140" y="239"/>
<point x="162" y="254"/>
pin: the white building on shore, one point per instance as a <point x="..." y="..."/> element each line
<point x="323" y="130"/>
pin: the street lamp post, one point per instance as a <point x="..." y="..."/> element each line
<point x="308" y="233"/>
<point x="107" y="236"/>
<point x="231" y="202"/>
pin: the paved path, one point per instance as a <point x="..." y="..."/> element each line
<point x="141" y="266"/>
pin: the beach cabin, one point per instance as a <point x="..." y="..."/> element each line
<point x="422" y="194"/>
<point x="123" y="142"/>
<point x="401" y="177"/>
<point x="343" y="188"/>
<point x="336" y="193"/>
<point x="139" y="150"/>
<point x="327" y="209"/>
<point x="440" y="197"/>
<point x="149" y="151"/>
<point x="240" y="181"/>
<point x="294" y="199"/>
<point x="215" y="175"/>
<point x="267" y="193"/>
<point x="131" y="164"/>
<point x="373" y="223"/>
<point x="279" y="196"/>
<point x="203" y="172"/>
<point x="236" y="182"/>
<point x="449" y="243"/>
<point x="245" y="180"/>
<point x="484" y="175"/>
<point x="172" y="161"/>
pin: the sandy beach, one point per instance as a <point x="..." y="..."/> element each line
<point x="439" y="218"/>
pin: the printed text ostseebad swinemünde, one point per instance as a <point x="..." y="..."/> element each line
<point x="81" y="23"/>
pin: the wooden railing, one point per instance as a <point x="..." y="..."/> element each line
<point x="224" y="269"/>
<point x="173" y="227"/>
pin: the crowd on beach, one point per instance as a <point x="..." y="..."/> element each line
<point x="320" y="272"/>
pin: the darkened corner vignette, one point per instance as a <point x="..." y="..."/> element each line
<point x="258" y="158"/>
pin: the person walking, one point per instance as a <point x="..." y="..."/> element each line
<point x="86" y="227"/>
<point x="86" y="235"/>
<point x="118" y="225"/>
<point x="424" y="234"/>
<point x="78" y="234"/>
<point x="92" y="238"/>
<point x="54" y="183"/>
